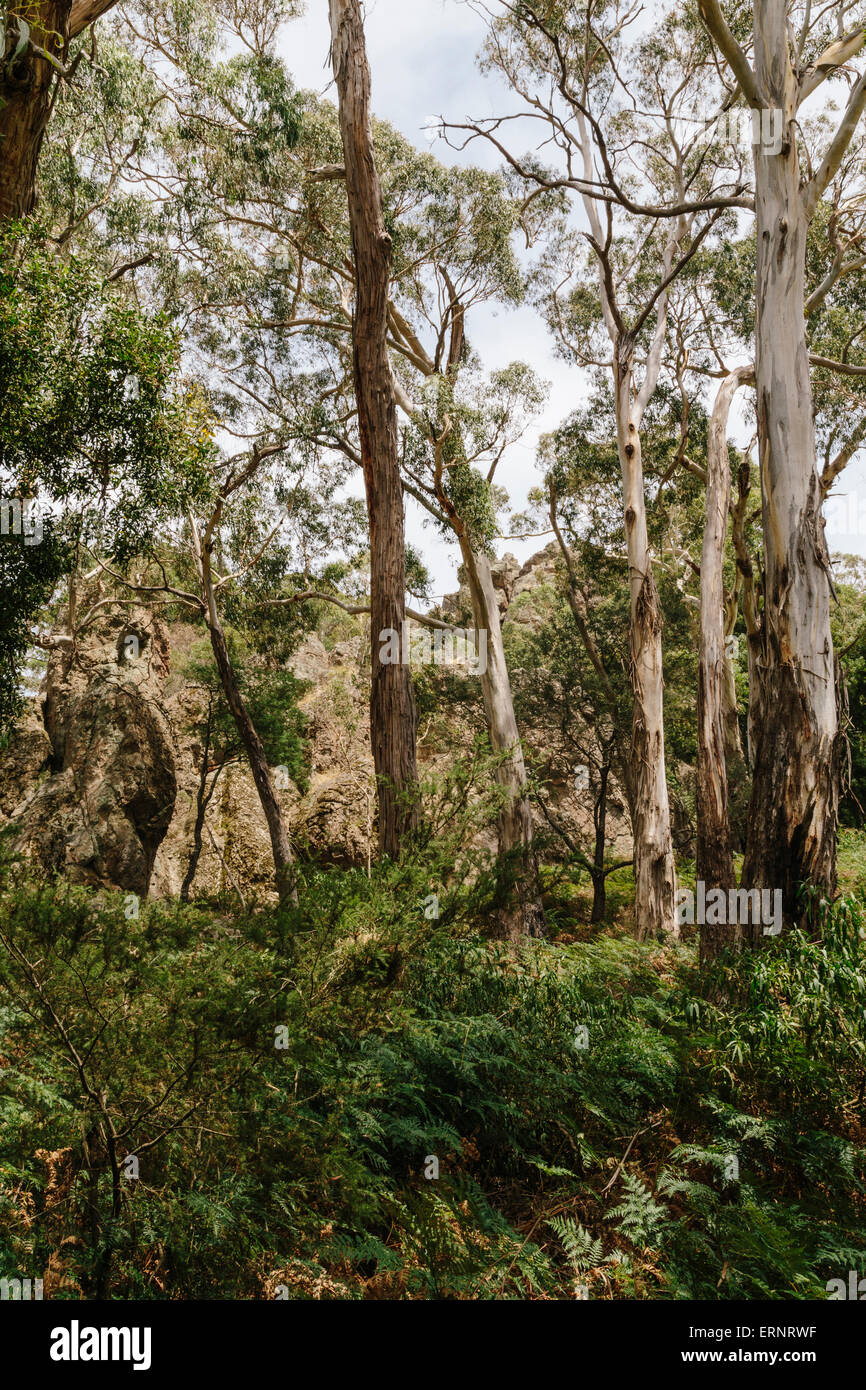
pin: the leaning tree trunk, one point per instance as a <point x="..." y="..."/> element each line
<point x="281" y="849"/>
<point x="523" y="915"/>
<point x="655" y="872"/>
<point x="280" y="845"/>
<point x="25" y="100"/>
<point x="27" y="88"/>
<point x="203" y="799"/>
<point x="392" y="704"/>
<point x="795" y="796"/>
<point x="715" y="860"/>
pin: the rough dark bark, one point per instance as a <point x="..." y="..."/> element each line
<point x="599" y="877"/>
<point x="26" y="88"/>
<point x="204" y="794"/>
<point x="27" y="92"/>
<point x="392" y="705"/>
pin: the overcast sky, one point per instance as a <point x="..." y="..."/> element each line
<point x="423" y="61"/>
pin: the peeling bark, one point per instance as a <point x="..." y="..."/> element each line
<point x="793" y="814"/>
<point x="27" y="92"/>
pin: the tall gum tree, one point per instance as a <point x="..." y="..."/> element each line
<point x="392" y="704"/>
<point x="522" y="915"/>
<point x="797" y="754"/>
<point x="569" y="63"/>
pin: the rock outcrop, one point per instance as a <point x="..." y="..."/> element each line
<point x="104" y="759"/>
<point x="102" y="776"/>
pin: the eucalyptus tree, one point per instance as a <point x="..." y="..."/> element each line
<point x="460" y="429"/>
<point x="170" y="244"/>
<point x="280" y="307"/>
<point x="794" y="811"/>
<point x="100" y="436"/>
<point x="393" y="722"/>
<point x="35" y="60"/>
<point x="618" y="112"/>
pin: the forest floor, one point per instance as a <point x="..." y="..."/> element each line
<point x="355" y="1102"/>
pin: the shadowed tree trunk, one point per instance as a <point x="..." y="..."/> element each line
<point x="715" y="859"/>
<point x="524" y="914"/>
<point x="204" y="796"/>
<point x="599" y="816"/>
<point x="392" y="705"/>
<point x="27" y="84"/>
<point x="281" y="849"/>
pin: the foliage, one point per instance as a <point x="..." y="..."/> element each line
<point x="402" y="1037"/>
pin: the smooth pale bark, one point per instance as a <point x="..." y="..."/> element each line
<point x="523" y="915"/>
<point x="751" y="616"/>
<point x="26" y="92"/>
<point x="794" y="809"/>
<point x="392" y="704"/>
<point x="655" y="871"/>
<point x="577" y="604"/>
<point x="715" y="860"/>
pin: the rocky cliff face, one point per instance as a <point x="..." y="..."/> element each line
<point x="90" y="782"/>
<point x="101" y="776"/>
<point x="100" y="779"/>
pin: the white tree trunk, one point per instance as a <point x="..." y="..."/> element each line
<point x="524" y="915"/>
<point x="794" y="809"/>
<point x="655" y="871"/>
